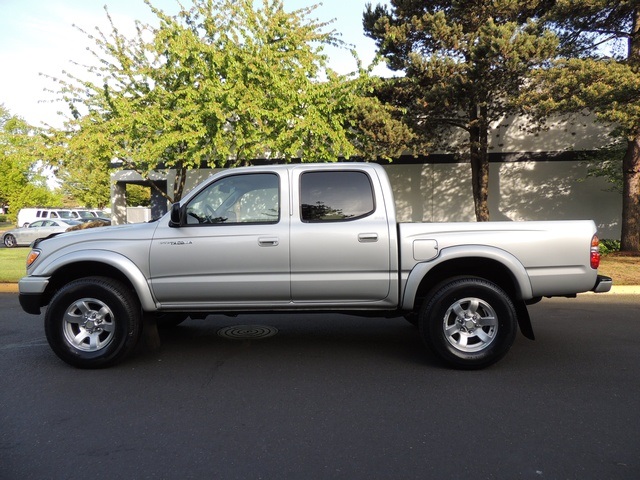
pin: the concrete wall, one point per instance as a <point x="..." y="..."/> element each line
<point x="519" y="187"/>
<point x="523" y="190"/>
<point x="530" y="190"/>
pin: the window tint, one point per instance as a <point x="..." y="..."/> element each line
<point x="250" y="198"/>
<point x="335" y="196"/>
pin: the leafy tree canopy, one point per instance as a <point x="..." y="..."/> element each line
<point x="219" y="84"/>
<point x="22" y="181"/>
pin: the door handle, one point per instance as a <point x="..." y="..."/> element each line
<point x="367" y="237"/>
<point x="268" y="241"/>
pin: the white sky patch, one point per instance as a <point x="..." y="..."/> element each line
<point x="37" y="37"/>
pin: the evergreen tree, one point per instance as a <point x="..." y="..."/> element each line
<point x="599" y="72"/>
<point x="463" y="63"/>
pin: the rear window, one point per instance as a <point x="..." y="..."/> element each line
<point x="335" y="196"/>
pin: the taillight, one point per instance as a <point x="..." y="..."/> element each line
<point x="595" y="252"/>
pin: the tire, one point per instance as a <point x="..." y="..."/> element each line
<point x="93" y="322"/>
<point x="469" y="323"/>
<point x="10" y="241"/>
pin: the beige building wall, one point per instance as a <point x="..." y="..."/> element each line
<point x="518" y="191"/>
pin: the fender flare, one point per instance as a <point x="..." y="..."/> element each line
<point x="128" y="268"/>
<point x="421" y="270"/>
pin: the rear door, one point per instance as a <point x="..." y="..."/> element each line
<point x="340" y="242"/>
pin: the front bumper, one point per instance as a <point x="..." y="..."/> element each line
<point x="603" y="284"/>
<point x="32" y="293"/>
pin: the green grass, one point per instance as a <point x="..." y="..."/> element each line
<point x="13" y="264"/>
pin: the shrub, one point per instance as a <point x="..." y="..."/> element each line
<point x="609" y="246"/>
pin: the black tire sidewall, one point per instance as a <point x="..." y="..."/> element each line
<point x="126" y="314"/>
<point x="435" y="307"/>
<point x="13" y="244"/>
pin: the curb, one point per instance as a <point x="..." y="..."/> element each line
<point x="615" y="290"/>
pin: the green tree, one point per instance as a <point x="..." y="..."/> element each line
<point x="22" y="182"/>
<point x="598" y="72"/>
<point x="81" y="158"/>
<point x="463" y="64"/>
<point x="219" y="84"/>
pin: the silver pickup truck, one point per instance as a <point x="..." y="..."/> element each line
<point x="308" y="237"/>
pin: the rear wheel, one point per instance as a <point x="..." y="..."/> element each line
<point x="468" y="322"/>
<point x="10" y="241"/>
<point x="93" y="322"/>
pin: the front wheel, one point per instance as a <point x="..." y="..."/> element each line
<point x="10" y="241"/>
<point x="468" y="322"/>
<point x="93" y="322"/>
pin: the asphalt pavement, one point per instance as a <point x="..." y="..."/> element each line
<point x="329" y="396"/>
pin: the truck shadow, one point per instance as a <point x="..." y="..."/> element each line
<point x="304" y="337"/>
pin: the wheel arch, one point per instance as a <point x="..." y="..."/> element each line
<point x="495" y="265"/>
<point x="105" y="264"/>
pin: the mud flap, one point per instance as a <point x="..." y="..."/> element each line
<point x="524" y="321"/>
<point x="150" y="332"/>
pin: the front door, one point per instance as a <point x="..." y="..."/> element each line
<point x="234" y="249"/>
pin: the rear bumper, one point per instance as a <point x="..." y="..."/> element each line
<point x="603" y="284"/>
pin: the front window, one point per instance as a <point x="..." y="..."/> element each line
<point x="237" y="199"/>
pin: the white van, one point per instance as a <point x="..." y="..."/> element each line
<point x="29" y="215"/>
<point x="87" y="213"/>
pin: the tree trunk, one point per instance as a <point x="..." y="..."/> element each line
<point x="630" y="238"/>
<point x="479" y="152"/>
<point x="181" y="179"/>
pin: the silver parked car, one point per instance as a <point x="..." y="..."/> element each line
<point x="38" y="229"/>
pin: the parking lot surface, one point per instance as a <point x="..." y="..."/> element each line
<point x="328" y="396"/>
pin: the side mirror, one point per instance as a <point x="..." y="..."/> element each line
<point x="176" y="215"/>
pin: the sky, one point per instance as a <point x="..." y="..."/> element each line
<point x="38" y="37"/>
